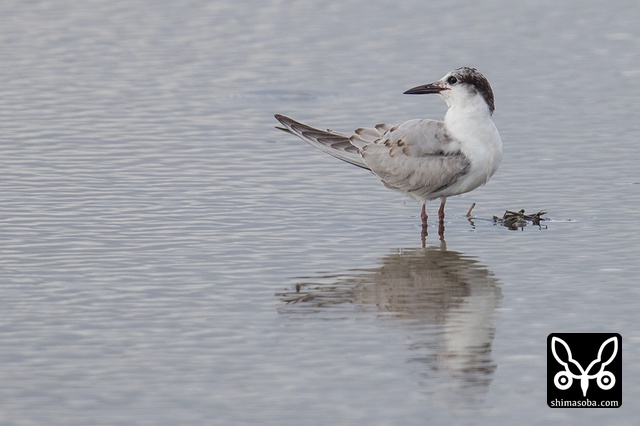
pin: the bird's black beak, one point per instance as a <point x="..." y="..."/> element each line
<point x="426" y="88"/>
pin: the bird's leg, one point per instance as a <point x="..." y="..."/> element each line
<point x="441" y="210"/>
<point x="425" y="232"/>
<point x="423" y="215"/>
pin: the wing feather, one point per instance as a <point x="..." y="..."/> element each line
<point x="328" y="141"/>
<point x="418" y="157"/>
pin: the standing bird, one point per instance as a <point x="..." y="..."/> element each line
<point x="425" y="159"/>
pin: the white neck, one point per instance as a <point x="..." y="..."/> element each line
<point x="471" y="125"/>
<point x="464" y="120"/>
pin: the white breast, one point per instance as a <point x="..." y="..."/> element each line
<point x="479" y="141"/>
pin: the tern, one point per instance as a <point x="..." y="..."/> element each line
<point x="422" y="158"/>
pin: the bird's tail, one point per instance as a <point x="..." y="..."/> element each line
<point x="333" y="143"/>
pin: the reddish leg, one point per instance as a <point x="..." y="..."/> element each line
<point x="423" y="214"/>
<point x="441" y="210"/>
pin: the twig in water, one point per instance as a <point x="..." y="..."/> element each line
<point x="470" y="208"/>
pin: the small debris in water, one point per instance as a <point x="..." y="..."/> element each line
<point x="518" y="220"/>
<point x="470" y="209"/>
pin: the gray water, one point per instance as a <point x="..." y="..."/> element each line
<point x="168" y="257"/>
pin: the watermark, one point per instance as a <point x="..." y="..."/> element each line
<point x="584" y="370"/>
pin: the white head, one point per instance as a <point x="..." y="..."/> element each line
<point x="462" y="86"/>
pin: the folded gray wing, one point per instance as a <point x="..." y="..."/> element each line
<point x="418" y="158"/>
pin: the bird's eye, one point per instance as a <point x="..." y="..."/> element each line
<point x="452" y="80"/>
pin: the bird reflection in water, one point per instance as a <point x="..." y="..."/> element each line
<point x="442" y="300"/>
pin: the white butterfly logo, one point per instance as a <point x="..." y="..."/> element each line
<point x="564" y="379"/>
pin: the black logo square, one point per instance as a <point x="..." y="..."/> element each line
<point x="584" y="370"/>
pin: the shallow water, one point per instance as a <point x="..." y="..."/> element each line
<point x="168" y="257"/>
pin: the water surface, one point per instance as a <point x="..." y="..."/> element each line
<point x="168" y="257"/>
